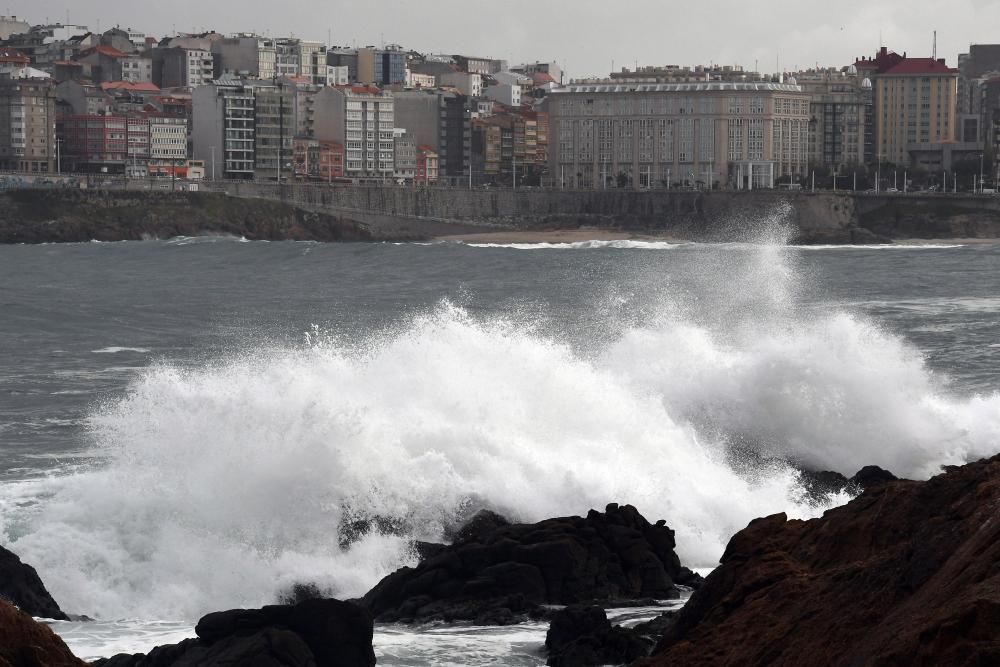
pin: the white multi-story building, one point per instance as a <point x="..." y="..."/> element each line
<point x="338" y="75"/>
<point x="137" y="68"/>
<point x="418" y="80"/>
<point x="167" y="139"/>
<point x="294" y="57"/>
<point x="742" y="135"/>
<point x="466" y="83"/>
<point x="362" y="119"/>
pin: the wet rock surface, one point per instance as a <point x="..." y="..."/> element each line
<point x="313" y="633"/>
<point x="908" y="573"/>
<point x="580" y="636"/>
<point x="498" y="574"/>
<point x="24" y="642"/>
<point x="21" y="585"/>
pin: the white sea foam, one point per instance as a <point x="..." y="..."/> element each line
<point x="885" y="246"/>
<point x="117" y="350"/>
<point x="223" y="485"/>
<point x="583" y="245"/>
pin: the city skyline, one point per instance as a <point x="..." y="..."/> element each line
<point x="583" y="36"/>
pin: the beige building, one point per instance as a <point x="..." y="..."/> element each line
<point x="27" y="126"/>
<point x="916" y="103"/>
<point x="744" y="135"/>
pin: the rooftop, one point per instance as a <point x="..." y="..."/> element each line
<point x="678" y="87"/>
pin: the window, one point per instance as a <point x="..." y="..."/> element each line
<point x="735" y="139"/>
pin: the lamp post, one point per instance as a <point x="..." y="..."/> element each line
<point x="980" y="173"/>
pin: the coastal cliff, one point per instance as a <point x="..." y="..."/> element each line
<point x="64" y="215"/>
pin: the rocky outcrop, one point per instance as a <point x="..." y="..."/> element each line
<point x="24" y="642"/>
<point x="501" y="574"/>
<point x="908" y="573"/>
<point x="51" y="216"/>
<point x="313" y="633"/>
<point x="581" y="636"/>
<point x="819" y="484"/>
<point x="21" y="585"/>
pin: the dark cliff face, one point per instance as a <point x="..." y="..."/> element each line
<point x="908" y="573"/>
<point x="45" y="216"/>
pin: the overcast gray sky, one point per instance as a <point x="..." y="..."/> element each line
<point x="585" y="36"/>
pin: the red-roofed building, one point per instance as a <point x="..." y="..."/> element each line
<point x="105" y="63"/>
<point x="915" y="102"/>
<point x="427" y="166"/>
<point x="13" y="57"/>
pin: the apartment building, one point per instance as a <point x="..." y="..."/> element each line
<point x="746" y="135"/>
<point x="136" y="68"/>
<point x="404" y="155"/>
<point x="362" y="119"/>
<point x="274" y="130"/>
<point x="245" y="55"/>
<point x="915" y="104"/>
<point x="224" y="133"/>
<point x="841" y="125"/>
<point x="94" y="144"/>
<point x="469" y="84"/>
<point x="318" y="160"/>
<point x="180" y="67"/>
<point x="298" y="58"/>
<point x="168" y="143"/>
<point x="426" y="172"/>
<point x="27" y="126"/>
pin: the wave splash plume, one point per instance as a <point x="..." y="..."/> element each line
<point x="225" y="485"/>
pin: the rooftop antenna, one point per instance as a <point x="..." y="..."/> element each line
<point x="935" y="45"/>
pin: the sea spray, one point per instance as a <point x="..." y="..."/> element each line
<point x="225" y="483"/>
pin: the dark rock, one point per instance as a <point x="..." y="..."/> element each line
<point x="905" y="574"/>
<point x="313" y="633"/>
<point x="480" y="526"/>
<point x="21" y="585"/>
<point x="689" y="578"/>
<point x="820" y="484"/>
<point x="655" y="628"/>
<point x="871" y="476"/>
<point x="24" y="642"/>
<point x="300" y="593"/>
<point x="582" y="635"/>
<point x="609" y="556"/>
<point x="427" y="550"/>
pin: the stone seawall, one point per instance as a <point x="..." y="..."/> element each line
<point x="348" y="213"/>
<point x="824" y="217"/>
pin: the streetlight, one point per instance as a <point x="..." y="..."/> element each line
<point x="980" y="173"/>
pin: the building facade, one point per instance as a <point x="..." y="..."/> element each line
<point x="841" y="130"/>
<point x="274" y="130"/>
<point x="27" y="126"/>
<point x="224" y="132"/>
<point x="426" y="171"/>
<point x="915" y="103"/>
<point x="245" y="55"/>
<point x="179" y="67"/>
<point x="362" y="119"/>
<point x="746" y="135"/>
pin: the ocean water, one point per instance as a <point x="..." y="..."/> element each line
<point x="185" y="424"/>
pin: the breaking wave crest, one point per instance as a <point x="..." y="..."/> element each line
<point x="224" y="485"/>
